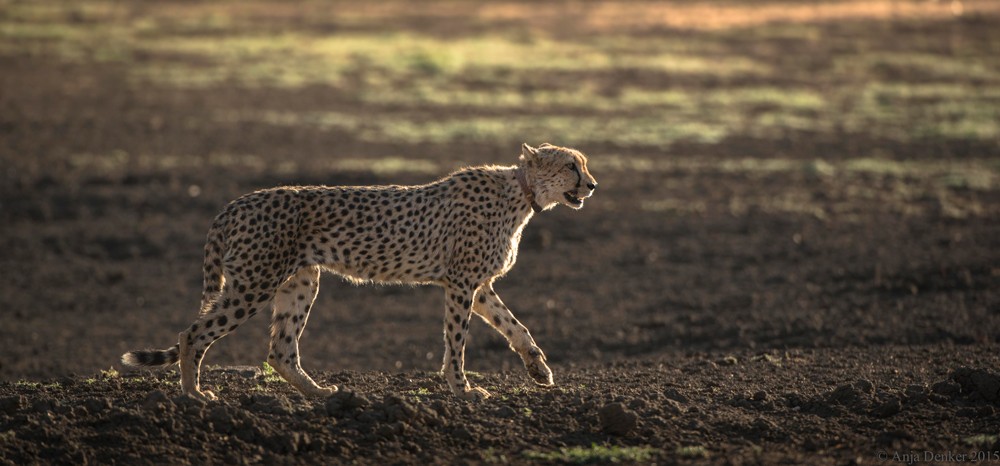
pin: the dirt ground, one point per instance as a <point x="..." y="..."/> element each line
<point x="815" y="295"/>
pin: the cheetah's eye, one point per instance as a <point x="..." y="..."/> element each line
<point x="571" y="166"/>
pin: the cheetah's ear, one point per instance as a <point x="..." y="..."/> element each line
<point x="529" y="154"/>
<point x="545" y="144"/>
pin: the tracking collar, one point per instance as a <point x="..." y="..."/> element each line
<point x="521" y="180"/>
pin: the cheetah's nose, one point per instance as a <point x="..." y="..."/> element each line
<point x="592" y="186"/>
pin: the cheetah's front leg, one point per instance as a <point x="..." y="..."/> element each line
<point x="489" y="306"/>
<point x="458" y="308"/>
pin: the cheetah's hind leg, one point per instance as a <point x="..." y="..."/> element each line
<point x="292" y="304"/>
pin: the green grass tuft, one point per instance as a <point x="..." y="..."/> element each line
<point x="594" y="454"/>
<point x="692" y="451"/>
<point x="270" y="375"/>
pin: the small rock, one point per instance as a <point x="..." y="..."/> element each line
<point x="759" y="396"/>
<point x="616" y="419"/>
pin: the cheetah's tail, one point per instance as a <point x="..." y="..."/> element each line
<point x="151" y="358"/>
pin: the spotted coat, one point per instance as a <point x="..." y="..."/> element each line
<point x="267" y="249"/>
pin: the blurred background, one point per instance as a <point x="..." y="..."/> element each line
<point x="774" y="174"/>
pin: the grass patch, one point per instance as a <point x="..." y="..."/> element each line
<point x="968" y="173"/>
<point x="294" y="59"/>
<point x="422" y="391"/>
<point x="594" y="454"/>
<point x="692" y="451"/>
<point x="702" y="87"/>
<point x="646" y="130"/>
<point x="37" y="385"/>
<point x="271" y="376"/>
<point x="498" y="86"/>
<point x="28" y="384"/>
<point x="982" y="439"/>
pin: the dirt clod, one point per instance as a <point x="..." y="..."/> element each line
<point x="269" y="404"/>
<point x="978" y="384"/>
<point x="889" y="406"/>
<point x="505" y="412"/>
<point x="616" y="419"/>
<point x="344" y="402"/>
<point x="12" y="404"/>
<point x="157" y="400"/>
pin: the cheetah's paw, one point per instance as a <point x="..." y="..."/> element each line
<point x="204" y="395"/>
<point x="476" y="394"/>
<point x="323" y="391"/>
<point x="537" y="369"/>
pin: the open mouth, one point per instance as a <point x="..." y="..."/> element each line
<point x="572" y="199"/>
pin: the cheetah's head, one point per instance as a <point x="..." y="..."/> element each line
<point x="557" y="175"/>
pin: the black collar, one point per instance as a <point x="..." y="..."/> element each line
<point x="519" y="174"/>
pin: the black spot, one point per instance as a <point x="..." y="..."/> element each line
<point x="222" y="320"/>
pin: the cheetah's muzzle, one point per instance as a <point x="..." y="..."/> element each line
<point x="572" y="199"/>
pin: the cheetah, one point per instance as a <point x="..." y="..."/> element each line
<point x="461" y="233"/>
